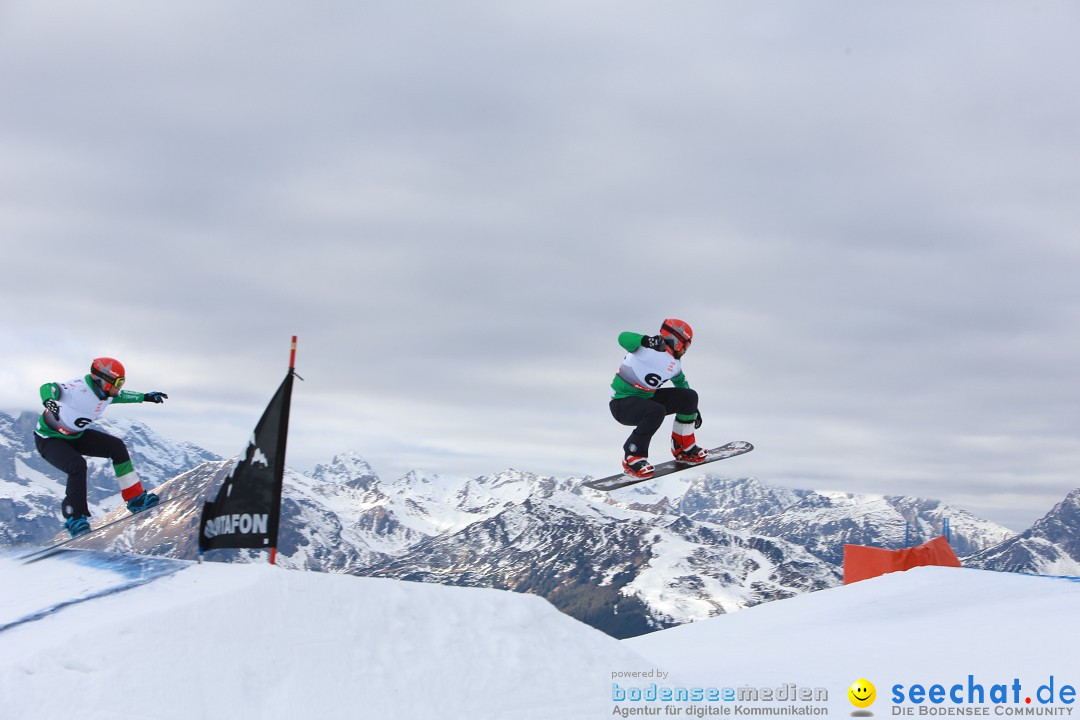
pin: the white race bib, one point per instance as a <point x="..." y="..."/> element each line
<point x="647" y="369"/>
<point x="79" y="406"/>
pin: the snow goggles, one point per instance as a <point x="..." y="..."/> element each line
<point x="116" y="382"/>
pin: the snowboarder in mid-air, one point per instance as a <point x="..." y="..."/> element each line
<point x="63" y="438"/>
<point x="637" y="398"/>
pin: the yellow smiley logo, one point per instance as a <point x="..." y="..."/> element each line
<point x="862" y="693"/>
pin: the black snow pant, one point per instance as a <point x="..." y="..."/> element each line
<point x="649" y="413"/>
<point x="66" y="455"/>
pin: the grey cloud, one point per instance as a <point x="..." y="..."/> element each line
<point x="867" y="212"/>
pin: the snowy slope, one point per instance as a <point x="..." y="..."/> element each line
<point x="256" y="641"/>
<point x="926" y="626"/>
<point x="246" y="641"/>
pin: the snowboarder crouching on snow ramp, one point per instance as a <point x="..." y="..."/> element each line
<point x="63" y="438"/>
<point x="638" y="399"/>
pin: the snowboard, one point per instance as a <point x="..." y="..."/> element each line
<point x="614" y="482"/>
<point x="59" y="547"/>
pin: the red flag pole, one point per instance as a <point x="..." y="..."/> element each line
<point x="292" y="368"/>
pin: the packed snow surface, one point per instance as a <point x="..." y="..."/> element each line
<point x="102" y="635"/>
<point x="256" y="641"/>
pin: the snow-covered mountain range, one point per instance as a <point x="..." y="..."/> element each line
<point x="659" y="554"/>
<point x="1050" y="547"/>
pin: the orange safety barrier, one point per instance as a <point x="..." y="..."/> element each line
<point x="862" y="562"/>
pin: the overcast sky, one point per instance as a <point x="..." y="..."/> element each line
<point x="867" y="211"/>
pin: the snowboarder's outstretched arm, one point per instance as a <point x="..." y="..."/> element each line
<point x="50" y="394"/>
<point x="130" y="396"/>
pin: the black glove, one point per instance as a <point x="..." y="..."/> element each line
<point x="154" y="397"/>
<point x="52" y="407"/>
<point x="697" y="420"/>
<point x="653" y="342"/>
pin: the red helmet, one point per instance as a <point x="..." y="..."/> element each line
<point x="109" y="372"/>
<point x="677" y="334"/>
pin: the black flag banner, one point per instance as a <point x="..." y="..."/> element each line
<point x="247" y="509"/>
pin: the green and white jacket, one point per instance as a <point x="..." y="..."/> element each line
<point x="80" y="404"/>
<point x="643" y="371"/>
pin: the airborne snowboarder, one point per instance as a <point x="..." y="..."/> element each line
<point x="63" y="438"/>
<point x="637" y="398"/>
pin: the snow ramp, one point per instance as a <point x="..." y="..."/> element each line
<point x="106" y="636"/>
